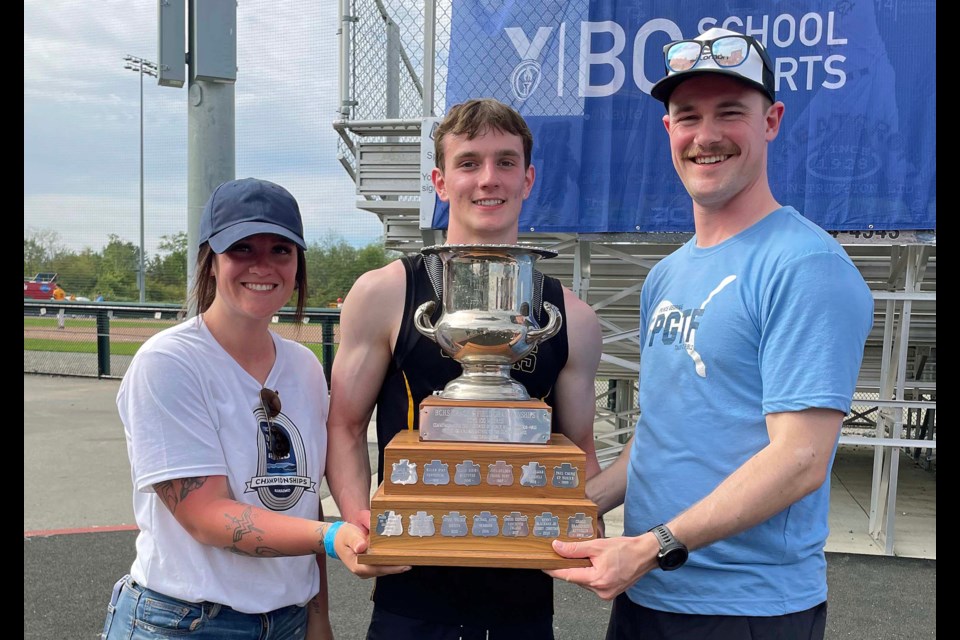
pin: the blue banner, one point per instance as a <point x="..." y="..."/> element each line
<point x="856" y="150"/>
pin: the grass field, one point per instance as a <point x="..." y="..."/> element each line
<point x="61" y="345"/>
<point x="78" y="335"/>
<point x="68" y="346"/>
<point x="50" y="322"/>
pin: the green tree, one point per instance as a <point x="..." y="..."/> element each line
<point x="117" y="279"/>
<point x="40" y="248"/>
<point x="333" y="266"/>
<point x="167" y="271"/>
<point x="79" y="272"/>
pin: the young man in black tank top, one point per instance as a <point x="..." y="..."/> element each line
<point x="482" y="151"/>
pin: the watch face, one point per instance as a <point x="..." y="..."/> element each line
<point x="673" y="558"/>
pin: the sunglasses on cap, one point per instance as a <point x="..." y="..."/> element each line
<point x="277" y="440"/>
<point x="726" y="51"/>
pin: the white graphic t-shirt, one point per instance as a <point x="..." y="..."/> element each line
<point x="189" y="410"/>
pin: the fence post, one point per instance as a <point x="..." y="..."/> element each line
<point x="103" y="343"/>
<point x="327" y="333"/>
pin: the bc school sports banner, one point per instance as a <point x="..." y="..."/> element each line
<point x="856" y="149"/>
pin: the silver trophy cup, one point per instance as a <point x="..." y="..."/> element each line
<point x="487" y="323"/>
<point x="485" y="482"/>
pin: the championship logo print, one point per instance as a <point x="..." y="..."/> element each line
<point x="281" y="463"/>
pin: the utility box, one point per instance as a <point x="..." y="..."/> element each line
<point x="171" y="43"/>
<point x="213" y="47"/>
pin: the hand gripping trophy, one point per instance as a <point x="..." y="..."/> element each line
<point x="485" y="483"/>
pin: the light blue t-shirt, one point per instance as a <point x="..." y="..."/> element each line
<point x="773" y="319"/>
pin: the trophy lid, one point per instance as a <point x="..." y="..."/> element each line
<point x="489" y="249"/>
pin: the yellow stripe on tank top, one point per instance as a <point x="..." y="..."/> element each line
<point x="406" y="383"/>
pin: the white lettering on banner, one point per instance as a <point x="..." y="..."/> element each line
<point x="783" y="30"/>
<point x="640" y="45"/>
<point x="588" y="58"/>
<point x="787" y="68"/>
<point x="780" y="38"/>
<point x="805" y="21"/>
<point x="834" y="71"/>
<point x="561" y="58"/>
<point x="528" y="50"/>
<point x="736" y="24"/>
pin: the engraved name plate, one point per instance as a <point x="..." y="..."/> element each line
<point x="404" y="472"/>
<point x="389" y="523"/>
<point x="500" y="474"/>
<point x="421" y="525"/>
<point x="467" y="474"/>
<point x="580" y="526"/>
<point x="533" y="474"/>
<point x="485" y="424"/>
<point x="515" y="525"/>
<point x="485" y="525"/>
<point x="546" y="525"/>
<point x="565" y="476"/>
<point x="453" y="525"/>
<point x="436" y="473"/>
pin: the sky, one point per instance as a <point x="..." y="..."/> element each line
<point x="81" y="121"/>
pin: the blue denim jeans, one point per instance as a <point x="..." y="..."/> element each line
<point x="138" y="613"/>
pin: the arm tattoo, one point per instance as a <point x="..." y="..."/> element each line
<point x="167" y="490"/>
<point x="167" y="494"/>
<point x="190" y="484"/>
<point x="243" y="526"/>
<point x="259" y="552"/>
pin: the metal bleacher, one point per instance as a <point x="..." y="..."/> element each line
<point x="895" y="405"/>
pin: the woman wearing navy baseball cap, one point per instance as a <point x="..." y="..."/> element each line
<point x="226" y="432"/>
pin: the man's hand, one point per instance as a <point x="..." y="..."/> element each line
<point x="350" y="542"/>
<point x="616" y="563"/>
<point x="361" y="520"/>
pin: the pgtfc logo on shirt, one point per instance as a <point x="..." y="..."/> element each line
<point x="674" y="325"/>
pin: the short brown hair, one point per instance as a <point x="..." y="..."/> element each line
<point x="474" y="118"/>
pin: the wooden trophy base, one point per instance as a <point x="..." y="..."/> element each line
<point x="479" y="504"/>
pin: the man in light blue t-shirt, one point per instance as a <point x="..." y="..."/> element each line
<point x="752" y="338"/>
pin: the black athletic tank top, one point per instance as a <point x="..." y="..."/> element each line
<point x="458" y="595"/>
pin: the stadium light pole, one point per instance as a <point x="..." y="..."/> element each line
<point x="141" y="66"/>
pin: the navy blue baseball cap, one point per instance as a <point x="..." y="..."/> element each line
<point x="241" y="208"/>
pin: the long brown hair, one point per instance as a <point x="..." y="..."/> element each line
<point x="204" y="288"/>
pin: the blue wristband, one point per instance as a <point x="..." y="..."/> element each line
<point x="329" y="537"/>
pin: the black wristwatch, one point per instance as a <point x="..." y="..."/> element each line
<point x="673" y="553"/>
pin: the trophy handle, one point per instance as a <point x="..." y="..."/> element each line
<point x="553" y="325"/>
<point x="421" y="320"/>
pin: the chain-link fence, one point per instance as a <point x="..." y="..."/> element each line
<point x="385" y="46"/>
<point x="99" y="340"/>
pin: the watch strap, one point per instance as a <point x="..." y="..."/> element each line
<point x="664" y="535"/>
<point x="673" y="553"/>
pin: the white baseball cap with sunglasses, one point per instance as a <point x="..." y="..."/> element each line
<point x="719" y="51"/>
